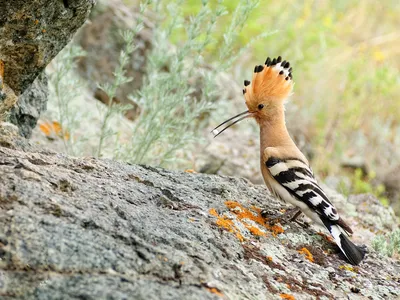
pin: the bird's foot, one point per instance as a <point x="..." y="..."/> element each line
<point x="289" y="215"/>
<point x="327" y="238"/>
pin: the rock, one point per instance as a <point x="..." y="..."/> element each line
<point x="100" y="229"/>
<point x="8" y="134"/>
<point x="7" y="101"/>
<point x="33" y="32"/>
<point x="224" y="155"/>
<point x="30" y="105"/>
<point x="31" y="35"/>
<point x="10" y="138"/>
<point x="355" y="162"/>
<point x="391" y="182"/>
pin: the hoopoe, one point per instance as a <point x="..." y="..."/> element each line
<point x="285" y="169"/>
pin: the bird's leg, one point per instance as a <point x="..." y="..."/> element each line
<point x="289" y="215"/>
<point x="296" y="214"/>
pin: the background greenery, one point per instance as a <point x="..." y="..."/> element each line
<point x="345" y="57"/>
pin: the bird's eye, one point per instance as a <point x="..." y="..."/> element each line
<point x="260" y="106"/>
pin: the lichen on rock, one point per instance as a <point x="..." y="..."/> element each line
<point x="82" y="227"/>
<point x="31" y="35"/>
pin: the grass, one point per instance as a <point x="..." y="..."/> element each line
<point x="65" y="89"/>
<point x="388" y="244"/>
<point x="173" y="110"/>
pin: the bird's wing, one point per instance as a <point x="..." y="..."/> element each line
<point x="298" y="179"/>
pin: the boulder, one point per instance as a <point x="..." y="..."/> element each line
<point x="83" y="228"/>
<point x="31" y="35"/>
<point x="29" y="106"/>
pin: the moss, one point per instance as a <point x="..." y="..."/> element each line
<point x="56" y="211"/>
<point x="388" y="244"/>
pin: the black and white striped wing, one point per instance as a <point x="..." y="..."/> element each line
<point x="298" y="179"/>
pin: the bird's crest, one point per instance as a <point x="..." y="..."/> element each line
<point x="272" y="81"/>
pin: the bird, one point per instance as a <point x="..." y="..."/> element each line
<point x="285" y="169"/>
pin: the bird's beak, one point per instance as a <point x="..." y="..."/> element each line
<point x="232" y="121"/>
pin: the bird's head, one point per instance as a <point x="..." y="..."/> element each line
<point x="271" y="84"/>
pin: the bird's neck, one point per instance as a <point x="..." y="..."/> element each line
<point x="273" y="132"/>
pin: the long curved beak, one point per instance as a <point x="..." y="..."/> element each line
<point x="232" y="121"/>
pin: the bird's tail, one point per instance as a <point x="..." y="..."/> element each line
<point x="353" y="253"/>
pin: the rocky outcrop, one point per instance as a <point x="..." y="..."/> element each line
<point x="31" y="35"/>
<point x="33" y="32"/>
<point x="99" y="229"/>
<point x="29" y="106"/>
<point x="391" y="180"/>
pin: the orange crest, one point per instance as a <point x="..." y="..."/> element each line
<point x="271" y="83"/>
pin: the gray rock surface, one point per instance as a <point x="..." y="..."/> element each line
<point x="30" y="105"/>
<point x="31" y="35"/>
<point x="33" y="32"/>
<point x="81" y="228"/>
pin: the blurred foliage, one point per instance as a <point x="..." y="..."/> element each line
<point x="361" y="184"/>
<point x="388" y="244"/>
<point x="172" y="106"/>
<point x="345" y="56"/>
<point x="65" y="88"/>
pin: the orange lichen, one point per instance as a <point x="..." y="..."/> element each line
<point x="213" y="212"/>
<point x="255" y="230"/>
<point x="250" y="218"/>
<point x="269" y="258"/>
<point x="36" y="22"/>
<point x="43" y="30"/>
<point x="224" y="222"/>
<point x="190" y="171"/>
<point x="307" y="253"/>
<point x="243" y="213"/>
<point x="287" y="296"/>
<point x="276" y="229"/>
<point x="51" y="129"/>
<point x="216" y="291"/>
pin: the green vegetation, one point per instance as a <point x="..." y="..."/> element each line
<point x="119" y="79"/>
<point x="65" y="89"/>
<point x="172" y="111"/>
<point x="344" y="58"/>
<point x="361" y="184"/>
<point x="388" y="244"/>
